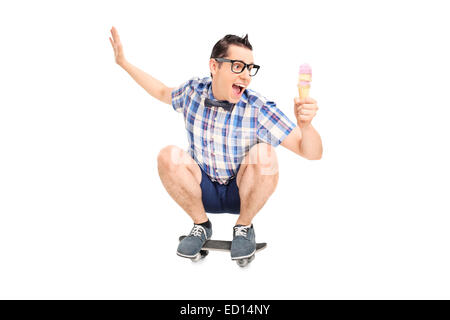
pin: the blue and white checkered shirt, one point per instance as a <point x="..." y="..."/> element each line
<point x="219" y="140"/>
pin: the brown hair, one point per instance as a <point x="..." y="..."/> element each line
<point x="220" y="49"/>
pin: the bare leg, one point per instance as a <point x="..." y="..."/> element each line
<point x="181" y="176"/>
<point x="257" y="179"/>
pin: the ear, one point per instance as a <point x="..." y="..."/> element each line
<point x="213" y="66"/>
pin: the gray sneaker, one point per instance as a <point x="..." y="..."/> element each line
<point x="243" y="244"/>
<point x="190" y="246"/>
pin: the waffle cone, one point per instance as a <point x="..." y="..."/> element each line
<point x="303" y="91"/>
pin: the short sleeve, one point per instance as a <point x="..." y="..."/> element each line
<point x="273" y="124"/>
<point x="181" y="94"/>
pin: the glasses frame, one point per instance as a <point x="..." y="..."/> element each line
<point x="246" y="66"/>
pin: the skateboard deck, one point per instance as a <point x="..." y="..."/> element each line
<point x="222" y="245"/>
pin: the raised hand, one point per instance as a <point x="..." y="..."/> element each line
<point x="117" y="47"/>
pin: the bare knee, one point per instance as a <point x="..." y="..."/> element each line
<point x="260" y="165"/>
<point x="263" y="159"/>
<point x="168" y="157"/>
<point x="171" y="158"/>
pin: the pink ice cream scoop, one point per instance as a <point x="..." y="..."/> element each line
<point x="304" y="80"/>
<point x="305" y="69"/>
<point x="305" y="72"/>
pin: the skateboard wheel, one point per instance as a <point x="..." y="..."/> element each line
<point x="197" y="257"/>
<point x="201" y="255"/>
<point x="244" y="262"/>
<point x="204" y="253"/>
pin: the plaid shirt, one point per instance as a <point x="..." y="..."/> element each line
<point x="219" y="140"/>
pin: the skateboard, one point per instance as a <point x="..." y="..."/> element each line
<point x="222" y="245"/>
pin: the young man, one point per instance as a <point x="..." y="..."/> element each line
<point x="231" y="165"/>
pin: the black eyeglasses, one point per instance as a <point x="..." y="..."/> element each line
<point x="237" y="66"/>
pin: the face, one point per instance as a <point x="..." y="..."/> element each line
<point x="224" y="80"/>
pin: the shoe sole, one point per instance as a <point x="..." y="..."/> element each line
<point x="186" y="256"/>
<point x="243" y="257"/>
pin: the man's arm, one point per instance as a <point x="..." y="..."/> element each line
<point x="305" y="142"/>
<point x="154" y="87"/>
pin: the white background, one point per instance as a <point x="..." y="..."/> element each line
<point x="83" y="214"/>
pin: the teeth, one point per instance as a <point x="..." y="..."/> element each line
<point x="240" y="85"/>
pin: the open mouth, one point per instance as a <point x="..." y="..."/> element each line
<point x="238" y="89"/>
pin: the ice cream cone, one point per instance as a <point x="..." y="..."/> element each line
<point x="303" y="91"/>
<point x="304" y="80"/>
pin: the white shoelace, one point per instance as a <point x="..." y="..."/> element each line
<point x="241" y="231"/>
<point x="197" y="231"/>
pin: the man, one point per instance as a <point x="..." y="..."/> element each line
<point x="231" y="165"/>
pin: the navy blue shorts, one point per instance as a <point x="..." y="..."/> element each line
<point x="219" y="198"/>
